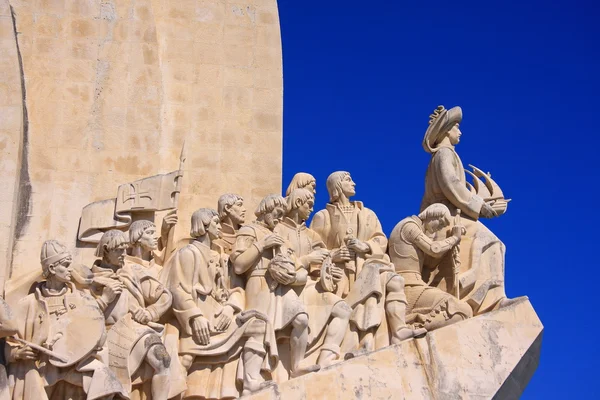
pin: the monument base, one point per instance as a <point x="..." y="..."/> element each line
<point x="490" y="356"/>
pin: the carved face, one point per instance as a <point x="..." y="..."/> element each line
<point x="62" y="270"/>
<point x="149" y="241"/>
<point x="237" y="212"/>
<point x="115" y="256"/>
<point x="214" y="228"/>
<point x="434" y="225"/>
<point x="305" y="209"/>
<point x="454" y="135"/>
<point x="274" y="217"/>
<point x="348" y="186"/>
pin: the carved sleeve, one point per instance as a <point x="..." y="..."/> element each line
<point x="434" y="249"/>
<point x="378" y="241"/>
<point x="453" y="186"/>
<point x="157" y="296"/>
<point x="320" y="224"/>
<point x="246" y="251"/>
<point x="181" y="285"/>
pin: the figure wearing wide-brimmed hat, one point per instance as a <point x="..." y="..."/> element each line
<point x="481" y="278"/>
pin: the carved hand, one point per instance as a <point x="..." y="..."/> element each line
<point x="317" y="256"/>
<point x="358" y="245"/>
<point x="169" y="221"/>
<point x="272" y="240"/>
<point x="341" y="255"/>
<point x="487" y="211"/>
<point x="225" y="318"/>
<point x="458" y="231"/>
<point x="201" y="330"/>
<point x="283" y="277"/>
<point x="111" y="291"/>
<point x="337" y="273"/>
<point x="24" y="353"/>
<point x="142" y="316"/>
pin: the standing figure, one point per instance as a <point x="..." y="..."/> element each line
<point x="59" y="332"/>
<point x="328" y="313"/>
<point x="410" y="243"/>
<point x="302" y="180"/>
<point x="481" y="279"/>
<point x="134" y="348"/>
<point x="271" y="274"/>
<point x="219" y="341"/>
<point x="147" y="249"/>
<point x="353" y="233"/>
<point x="232" y="214"/>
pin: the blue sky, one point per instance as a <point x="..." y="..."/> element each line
<point x="360" y="80"/>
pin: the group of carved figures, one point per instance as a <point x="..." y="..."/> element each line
<point x="246" y="304"/>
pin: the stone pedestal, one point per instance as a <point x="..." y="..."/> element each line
<point x="490" y="356"/>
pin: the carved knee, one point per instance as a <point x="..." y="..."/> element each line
<point x="341" y="310"/>
<point x="396" y="284"/>
<point x="301" y="321"/>
<point x="186" y="361"/>
<point x="162" y="357"/>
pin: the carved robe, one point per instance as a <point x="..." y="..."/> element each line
<point x="482" y="253"/>
<point x="365" y="289"/>
<point x="427" y="306"/>
<point x="142" y="291"/>
<point x="319" y="303"/>
<point x="198" y="279"/>
<point x="40" y="314"/>
<point x="334" y="224"/>
<point x="282" y="304"/>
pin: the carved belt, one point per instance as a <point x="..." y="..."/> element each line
<point x="258" y="272"/>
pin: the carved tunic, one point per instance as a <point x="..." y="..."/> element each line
<point x="198" y="280"/>
<point x="427" y="306"/>
<point x="40" y="316"/>
<point x="334" y="224"/>
<point x="281" y="304"/>
<point x="143" y="290"/>
<point x="227" y="239"/>
<point x="319" y="303"/>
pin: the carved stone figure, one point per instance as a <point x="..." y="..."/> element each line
<point x="328" y="313"/>
<point x="215" y="329"/>
<point x="481" y="279"/>
<point x="410" y="243"/>
<point x="302" y="180"/>
<point x="60" y="330"/>
<point x="232" y="214"/>
<point x="270" y="280"/>
<point x="133" y="301"/>
<point x="149" y="250"/>
<point x="353" y="233"/>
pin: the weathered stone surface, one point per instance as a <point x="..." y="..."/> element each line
<point x="490" y="356"/>
<point x="112" y="89"/>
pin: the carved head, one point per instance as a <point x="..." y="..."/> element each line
<point x="271" y="210"/>
<point x="302" y="180"/>
<point x="435" y="218"/>
<point x="232" y="206"/>
<point x="339" y="183"/>
<point x="205" y="221"/>
<point x="112" y="247"/>
<point x="303" y="201"/>
<point x="442" y="123"/>
<point x="143" y="233"/>
<point x="56" y="261"/>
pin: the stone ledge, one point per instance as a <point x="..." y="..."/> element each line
<point x="490" y="356"/>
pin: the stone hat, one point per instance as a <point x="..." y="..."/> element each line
<point x="439" y="123"/>
<point x="53" y="251"/>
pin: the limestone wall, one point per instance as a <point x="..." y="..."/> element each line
<point x="113" y="88"/>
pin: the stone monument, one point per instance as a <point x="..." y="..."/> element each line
<point x="122" y="123"/>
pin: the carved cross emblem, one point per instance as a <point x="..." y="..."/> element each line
<point x="135" y="193"/>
